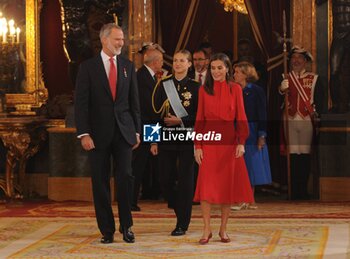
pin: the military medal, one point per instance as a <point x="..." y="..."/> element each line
<point x="187" y="96"/>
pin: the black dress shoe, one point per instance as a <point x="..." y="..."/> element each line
<point x="128" y="235"/>
<point x="178" y="232"/>
<point x="107" y="239"/>
<point x="135" y="208"/>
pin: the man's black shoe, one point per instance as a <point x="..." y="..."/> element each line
<point x="135" y="208"/>
<point x="178" y="232"/>
<point x="128" y="235"/>
<point x="107" y="239"/>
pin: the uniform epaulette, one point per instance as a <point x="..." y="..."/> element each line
<point x="195" y="81"/>
<point x="164" y="109"/>
<point x="166" y="77"/>
<point x="307" y="73"/>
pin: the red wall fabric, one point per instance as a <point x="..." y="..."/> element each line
<point x="54" y="61"/>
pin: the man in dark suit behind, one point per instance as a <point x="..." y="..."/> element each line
<point x="200" y="66"/>
<point x="108" y="124"/>
<point x="147" y="79"/>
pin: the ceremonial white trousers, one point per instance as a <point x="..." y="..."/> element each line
<point x="300" y="134"/>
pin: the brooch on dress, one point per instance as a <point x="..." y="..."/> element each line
<point x="125" y="74"/>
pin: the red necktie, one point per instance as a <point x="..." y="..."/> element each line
<point x="158" y="75"/>
<point x="112" y="78"/>
<point x="200" y="78"/>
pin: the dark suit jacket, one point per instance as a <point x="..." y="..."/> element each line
<point x="146" y="85"/>
<point x="95" y="111"/>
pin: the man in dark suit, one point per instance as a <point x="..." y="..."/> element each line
<point x="147" y="79"/>
<point x="200" y="66"/>
<point x="108" y="124"/>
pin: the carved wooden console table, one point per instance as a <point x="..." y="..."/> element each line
<point x="21" y="137"/>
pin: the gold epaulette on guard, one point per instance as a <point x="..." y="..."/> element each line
<point x="164" y="109"/>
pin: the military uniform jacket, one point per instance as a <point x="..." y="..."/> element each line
<point x="187" y="90"/>
<point x="311" y="88"/>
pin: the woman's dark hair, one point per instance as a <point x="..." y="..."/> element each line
<point x="209" y="82"/>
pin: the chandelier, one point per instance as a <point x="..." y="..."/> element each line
<point x="8" y="32"/>
<point x="238" y="5"/>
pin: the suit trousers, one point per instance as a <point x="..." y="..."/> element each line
<point x="180" y="193"/>
<point x="100" y="160"/>
<point x="141" y="157"/>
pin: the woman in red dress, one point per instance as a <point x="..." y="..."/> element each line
<point x="223" y="177"/>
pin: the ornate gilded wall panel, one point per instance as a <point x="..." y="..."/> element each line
<point x="140" y="26"/>
<point x="304" y="26"/>
<point x="35" y="92"/>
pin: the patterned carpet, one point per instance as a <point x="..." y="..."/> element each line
<point x="278" y="209"/>
<point x="274" y="230"/>
<point x="251" y="238"/>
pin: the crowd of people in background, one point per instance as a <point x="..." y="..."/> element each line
<point x="207" y="92"/>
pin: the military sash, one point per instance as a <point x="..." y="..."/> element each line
<point x="174" y="99"/>
<point x="304" y="97"/>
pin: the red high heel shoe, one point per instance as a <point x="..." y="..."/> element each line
<point x="204" y="241"/>
<point x="224" y="240"/>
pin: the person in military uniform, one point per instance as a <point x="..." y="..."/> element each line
<point x="305" y="100"/>
<point x="175" y="100"/>
<point x="340" y="52"/>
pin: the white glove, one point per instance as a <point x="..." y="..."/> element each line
<point x="284" y="85"/>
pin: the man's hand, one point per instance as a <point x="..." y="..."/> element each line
<point x="138" y="141"/>
<point x="172" y="120"/>
<point x="87" y="143"/>
<point x="284" y="85"/>
<point x="198" y="155"/>
<point x="154" y="149"/>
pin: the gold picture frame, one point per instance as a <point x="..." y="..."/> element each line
<point x="35" y="92"/>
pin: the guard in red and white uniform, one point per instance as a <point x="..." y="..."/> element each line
<point x="305" y="99"/>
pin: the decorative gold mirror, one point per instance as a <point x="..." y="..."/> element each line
<point x="31" y="92"/>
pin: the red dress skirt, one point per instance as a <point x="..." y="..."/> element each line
<point x="222" y="178"/>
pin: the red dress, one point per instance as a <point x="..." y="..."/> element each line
<point x="222" y="178"/>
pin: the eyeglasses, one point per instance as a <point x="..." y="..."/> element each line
<point x="199" y="59"/>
